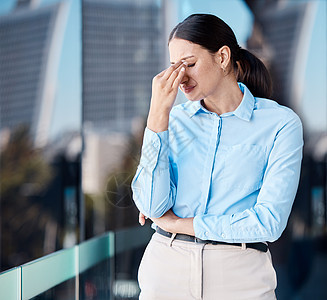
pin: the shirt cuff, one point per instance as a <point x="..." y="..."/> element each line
<point x="212" y="227"/>
<point x="155" y="149"/>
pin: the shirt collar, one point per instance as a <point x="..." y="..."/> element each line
<point x="243" y="111"/>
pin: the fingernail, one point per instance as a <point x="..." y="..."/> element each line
<point x="183" y="69"/>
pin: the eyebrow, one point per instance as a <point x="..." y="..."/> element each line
<point x="183" y="58"/>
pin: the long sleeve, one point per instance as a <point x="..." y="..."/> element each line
<point x="153" y="187"/>
<point x="267" y="218"/>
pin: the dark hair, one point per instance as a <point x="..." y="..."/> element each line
<point x="211" y="33"/>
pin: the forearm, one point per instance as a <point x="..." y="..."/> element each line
<point x="185" y="226"/>
<point x="172" y="223"/>
<point x="153" y="189"/>
<point x="158" y="120"/>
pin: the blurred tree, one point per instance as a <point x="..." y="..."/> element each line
<point x="24" y="174"/>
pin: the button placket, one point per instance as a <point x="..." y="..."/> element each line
<point x="208" y="166"/>
<point x="156" y="143"/>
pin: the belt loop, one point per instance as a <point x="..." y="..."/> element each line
<point x="171" y="239"/>
<point x="243" y="246"/>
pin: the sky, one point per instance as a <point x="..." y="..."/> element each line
<point x="313" y="108"/>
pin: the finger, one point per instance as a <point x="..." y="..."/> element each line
<point x="175" y="74"/>
<point x="179" y="78"/>
<point x="166" y="72"/>
<point x="171" y="69"/>
<point x="141" y="219"/>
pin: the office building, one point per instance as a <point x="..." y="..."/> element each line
<point x="122" y="51"/>
<point x="30" y="43"/>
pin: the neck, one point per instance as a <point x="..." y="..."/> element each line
<point x="227" y="99"/>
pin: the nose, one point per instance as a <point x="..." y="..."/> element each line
<point x="184" y="79"/>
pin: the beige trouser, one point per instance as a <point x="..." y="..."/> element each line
<point x="177" y="270"/>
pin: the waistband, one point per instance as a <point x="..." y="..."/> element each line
<point x="189" y="238"/>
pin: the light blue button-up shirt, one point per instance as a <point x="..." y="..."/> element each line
<point x="236" y="173"/>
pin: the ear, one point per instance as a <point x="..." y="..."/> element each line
<point x="223" y="57"/>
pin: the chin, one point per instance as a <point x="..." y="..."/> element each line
<point x="192" y="98"/>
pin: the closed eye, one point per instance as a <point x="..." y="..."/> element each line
<point x="191" y="65"/>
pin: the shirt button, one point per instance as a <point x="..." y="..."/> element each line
<point x="156" y="144"/>
<point x="206" y="233"/>
<point x="223" y="235"/>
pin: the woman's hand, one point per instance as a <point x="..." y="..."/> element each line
<point x="142" y="219"/>
<point x="171" y="223"/>
<point x="167" y="221"/>
<point x="164" y="92"/>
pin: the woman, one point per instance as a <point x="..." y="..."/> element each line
<point x="218" y="174"/>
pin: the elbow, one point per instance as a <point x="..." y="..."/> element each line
<point x="275" y="232"/>
<point x="152" y="202"/>
<point x="273" y="237"/>
<point x="273" y="223"/>
<point x="159" y="209"/>
<point x="156" y="214"/>
<point x="152" y="211"/>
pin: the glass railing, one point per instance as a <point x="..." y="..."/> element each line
<point x="104" y="267"/>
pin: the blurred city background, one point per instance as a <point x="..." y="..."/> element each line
<point x="75" y="88"/>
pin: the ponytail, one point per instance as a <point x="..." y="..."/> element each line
<point x="251" y="71"/>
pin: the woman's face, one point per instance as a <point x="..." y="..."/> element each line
<point x="203" y="74"/>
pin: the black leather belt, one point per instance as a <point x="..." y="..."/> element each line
<point x="189" y="238"/>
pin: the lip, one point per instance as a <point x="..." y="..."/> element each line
<point x="188" y="89"/>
